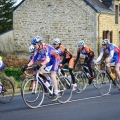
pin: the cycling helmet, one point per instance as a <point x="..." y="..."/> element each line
<point x="31" y="48"/>
<point x="1" y="64"/>
<point x="80" y="43"/>
<point x="56" y="41"/>
<point x="36" y="39"/>
<point x="105" y="41"/>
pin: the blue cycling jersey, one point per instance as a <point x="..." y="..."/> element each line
<point x="111" y="47"/>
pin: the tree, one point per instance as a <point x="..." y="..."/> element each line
<point x="6" y="15"/>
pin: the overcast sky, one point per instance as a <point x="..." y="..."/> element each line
<point x="18" y="1"/>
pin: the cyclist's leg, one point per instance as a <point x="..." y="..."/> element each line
<point x="71" y="65"/>
<point x="108" y="61"/>
<point x="53" y="70"/>
<point x="89" y="61"/>
<point x="117" y="66"/>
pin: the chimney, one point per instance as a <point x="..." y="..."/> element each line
<point x="108" y="3"/>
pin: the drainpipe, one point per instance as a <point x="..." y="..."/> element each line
<point x="98" y="33"/>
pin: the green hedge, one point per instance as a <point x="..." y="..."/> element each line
<point x="15" y="72"/>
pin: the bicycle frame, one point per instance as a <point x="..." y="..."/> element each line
<point x="106" y="72"/>
<point x="60" y="74"/>
<point x="40" y="79"/>
<point x="83" y="66"/>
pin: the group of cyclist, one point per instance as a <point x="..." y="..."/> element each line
<point x="58" y="55"/>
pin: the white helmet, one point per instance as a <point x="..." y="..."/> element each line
<point x="56" y="41"/>
<point x="31" y="48"/>
<point x="105" y="41"/>
<point x="80" y="43"/>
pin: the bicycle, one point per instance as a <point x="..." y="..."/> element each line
<point x="82" y="77"/>
<point x="34" y="98"/>
<point x="27" y="77"/>
<point x="105" y="81"/>
<point x="6" y="90"/>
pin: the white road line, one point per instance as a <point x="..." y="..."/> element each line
<point x="73" y="101"/>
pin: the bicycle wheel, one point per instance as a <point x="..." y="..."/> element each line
<point x="81" y="81"/>
<point x="33" y="98"/>
<point x="22" y="86"/>
<point x="103" y="83"/>
<point x="23" y="83"/>
<point x="64" y="85"/>
<point x="95" y="72"/>
<point x="7" y="92"/>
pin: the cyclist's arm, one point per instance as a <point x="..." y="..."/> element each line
<point x="64" y="57"/>
<point x="100" y="57"/>
<point x="33" y="59"/>
<point x="77" y="58"/>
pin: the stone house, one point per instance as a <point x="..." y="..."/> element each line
<point x="69" y="20"/>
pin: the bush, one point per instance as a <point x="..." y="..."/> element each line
<point x="3" y="75"/>
<point x="11" y="71"/>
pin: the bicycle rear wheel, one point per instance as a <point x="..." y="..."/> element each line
<point x="64" y="85"/>
<point x="103" y="83"/>
<point x="81" y="82"/>
<point x="7" y="92"/>
<point x="33" y="98"/>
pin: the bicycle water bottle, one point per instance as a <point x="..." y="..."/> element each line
<point x="112" y="75"/>
<point x="46" y="83"/>
<point x="88" y="75"/>
<point x="69" y="77"/>
<point x="49" y="80"/>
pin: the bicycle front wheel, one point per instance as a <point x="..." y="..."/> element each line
<point x="34" y="97"/>
<point x="81" y="82"/>
<point x="103" y="83"/>
<point x="65" y="88"/>
<point x="7" y="91"/>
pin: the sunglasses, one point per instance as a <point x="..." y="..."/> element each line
<point x="54" y="44"/>
<point x="34" y="43"/>
<point x="79" y="45"/>
<point x="104" y="45"/>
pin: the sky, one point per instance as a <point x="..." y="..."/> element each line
<point x="18" y="1"/>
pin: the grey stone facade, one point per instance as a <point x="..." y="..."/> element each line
<point x="69" y="20"/>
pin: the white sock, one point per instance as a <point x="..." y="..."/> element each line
<point x="56" y="92"/>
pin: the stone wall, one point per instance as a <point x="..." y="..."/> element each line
<point x="107" y="23"/>
<point x="6" y="43"/>
<point x="66" y="19"/>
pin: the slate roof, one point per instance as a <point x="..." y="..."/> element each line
<point x="98" y="6"/>
<point x="94" y="4"/>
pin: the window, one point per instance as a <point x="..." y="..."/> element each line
<point x="108" y="35"/>
<point x="116" y="14"/>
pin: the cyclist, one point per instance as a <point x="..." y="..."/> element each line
<point x="89" y="56"/>
<point x="40" y="58"/>
<point x="114" y="56"/>
<point x="52" y="58"/>
<point x="67" y="58"/>
<point x="31" y="50"/>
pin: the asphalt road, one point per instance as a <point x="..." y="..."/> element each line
<point x="88" y="105"/>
